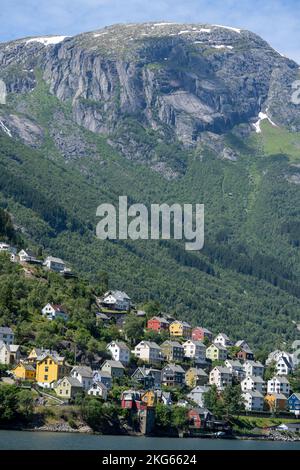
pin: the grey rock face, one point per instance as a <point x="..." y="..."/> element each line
<point x="179" y="80"/>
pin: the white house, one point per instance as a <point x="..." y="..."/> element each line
<point x="9" y="353"/>
<point x="254" y="383"/>
<point x="27" y="256"/>
<point x="119" y="351"/>
<point x="221" y="377"/>
<point x="4" y="247"/>
<point x="197" y="394"/>
<point x="53" y="312"/>
<point x="6" y="335"/>
<point x="274" y="356"/>
<point x="253" y="368"/>
<point x="148" y="351"/>
<point x="283" y="366"/>
<point x="195" y="350"/>
<point x="236" y="368"/>
<point x="84" y="375"/>
<point x="116" y="300"/>
<point x="279" y="384"/>
<point x="98" y="390"/>
<point x="55" y="264"/>
<point x="103" y="377"/>
<point x="223" y="339"/>
<point x="254" y="400"/>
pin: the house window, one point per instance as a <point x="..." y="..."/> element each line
<point x="45" y="377"/>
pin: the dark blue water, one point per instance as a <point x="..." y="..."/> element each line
<point x="12" y="440"/>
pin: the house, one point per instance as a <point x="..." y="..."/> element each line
<point x="4" y="247"/>
<point x="195" y="350"/>
<point x="197" y="394"/>
<point x="244" y="352"/>
<point x="172" y="351"/>
<point x="236" y="368"/>
<point x="216" y="352"/>
<point x="114" y="368"/>
<point x="274" y="356"/>
<point x="199" y="334"/>
<point x="119" y="351"/>
<point x="198" y="417"/>
<point x="294" y="404"/>
<point x="68" y="387"/>
<point x="11" y="251"/>
<point x="103" y="377"/>
<point x="220" y="377"/>
<point x="9" y="353"/>
<point x="131" y="399"/>
<point x="6" y="335"/>
<point x="223" y="340"/>
<point x="54" y="311"/>
<point x="283" y="366"/>
<point x="84" y="375"/>
<point x="172" y="375"/>
<point x="195" y="376"/>
<point x="253" y="368"/>
<point x="158" y="324"/>
<point x="98" y="390"/>
<point x="27" y="256"/>
<point x="24" y="371"/>
<point x="148" y="378"/>
<point x="116" y="300"/>
<point x="148" y="397"/>
<point x="276" y="402"/>
<point x="164" y="397"/>
<point x="254" y="400"/>
<point x="279" y="384"/>
<point x="180" y="329"/>
<point x="148" y="351"/>
<point x="49" y="369"/>
<point x="55" y="264"/>
<point x="38" y="353"/>
<point x="254" y="383"/>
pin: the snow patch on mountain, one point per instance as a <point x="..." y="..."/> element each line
<point x="47" y="41"/>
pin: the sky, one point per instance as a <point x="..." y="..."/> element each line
<point x="276" y="21"/>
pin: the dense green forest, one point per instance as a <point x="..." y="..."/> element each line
<point x="246" y="279"/>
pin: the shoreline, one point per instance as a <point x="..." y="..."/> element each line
<point x="86" y="430"/>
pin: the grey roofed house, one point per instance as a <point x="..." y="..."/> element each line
<point x="198" y="371"/>
<point x="112" y="363"/>
<point x="223" y="370"/>
<point x="117" y="294"/>
<point x="281" y="378"/>
<point x="174" y="344"/>
<point x="84" y="371"/>
<point x="102" y="316"/>
<point x="256" y="378"/>
<point x="6" y="330"/>
<point x="175" y="368"/>
<point x="234" y="363"/>
<point x="72" y="381"/>
<point x="120" y="344"/>
<point x="219" y="346"/>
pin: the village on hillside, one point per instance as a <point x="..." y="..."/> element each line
<point x="185" y="366"/>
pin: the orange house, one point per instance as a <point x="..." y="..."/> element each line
<point x="24" y="371"/>
<point x="276" y="402"/>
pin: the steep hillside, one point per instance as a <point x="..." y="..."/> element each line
<point x="162" y="113"/>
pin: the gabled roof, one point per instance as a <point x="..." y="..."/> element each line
<point x="6" y="330"/>
<point x="114" y="364"/>
<point x="255" y="378"/>
<point x="195" y="342"/>
<point x="297" y="395"/>
<point x="84" y="371"/>
<point x="223" y="336"/>
<point x="120" y="344"/>
<point x="222" y="370"/>
<point x="117" y="294"/>
<point x="98" y="385"/>
<point x="278" y="396"/>
<point x="72" y="381"/>
<point x="286" y="361"/>
<point x="54" y="260"/>
<point x="160" y="319"/>
<point x="26" y="366"/>
<point x="174" y="344"/>
<point x="218" y="345"/>
<point x="56" y="307"/>
<point x="175" y="368"/>
<point x="253" y="393"/>
<point x="200" y="389"/>
<point x="254" y="363"/>
<point x="234" y="363"/>
<point x="199" y="372"/>
<point x="149" y="344"/>
<point x="280" y="378"/>
<point x="103" y="374"/>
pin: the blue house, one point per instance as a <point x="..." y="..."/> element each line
<point x="294" y="403"/>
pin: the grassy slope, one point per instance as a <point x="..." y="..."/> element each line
<point x="249" y="200"/>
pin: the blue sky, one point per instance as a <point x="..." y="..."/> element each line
<point x="277" y="21"/>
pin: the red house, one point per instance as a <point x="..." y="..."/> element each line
<point x="198" y="417"/>
<point x="158" y="324"/>
<point x="199" y="333"/>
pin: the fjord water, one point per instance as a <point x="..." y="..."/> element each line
<point x="20" y="440"/>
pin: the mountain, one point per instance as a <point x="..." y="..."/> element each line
<point x="162" y="112"/>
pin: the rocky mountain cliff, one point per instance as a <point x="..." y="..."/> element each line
<point x="201" y="113"/>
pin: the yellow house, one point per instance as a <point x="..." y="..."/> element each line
<point x="276" y="402"/>
<point x="216" y="352"/>
<point x="195" y="376"/>
<point x="68" y="387"/>
<point x="24" y="371"/>
<point x="49" y="369"/>
<point x="180" y="329"/>
<point x="149" y="398"/>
